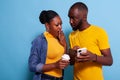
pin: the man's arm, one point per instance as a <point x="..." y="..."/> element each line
<point x="106" y="59"/>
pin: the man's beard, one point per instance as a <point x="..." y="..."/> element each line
<point x="78" y="26"/>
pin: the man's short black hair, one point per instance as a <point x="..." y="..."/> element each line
<point x="80" y="6"/>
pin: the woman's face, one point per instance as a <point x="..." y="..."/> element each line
<point x="55" y="26"/>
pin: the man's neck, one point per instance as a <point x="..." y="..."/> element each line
<point x="84" y="26"/>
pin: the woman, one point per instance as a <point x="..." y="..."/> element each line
<point x="47" y="49"/>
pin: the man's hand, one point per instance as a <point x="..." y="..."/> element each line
<point x="88" y="56"/>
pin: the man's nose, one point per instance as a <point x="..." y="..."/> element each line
<point x="71" y="21"/>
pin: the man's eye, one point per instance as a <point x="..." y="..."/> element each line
<point x="72" y="17"/>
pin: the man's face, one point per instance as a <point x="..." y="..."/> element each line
<point x="75" y="17"/>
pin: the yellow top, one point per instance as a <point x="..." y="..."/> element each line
<point x="54" y="53"/>
<point x="94" y="39"/>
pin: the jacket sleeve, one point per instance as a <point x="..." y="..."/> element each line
<point x="35" y="64"/>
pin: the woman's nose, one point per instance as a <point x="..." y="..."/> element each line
<point x="60" y="27"/>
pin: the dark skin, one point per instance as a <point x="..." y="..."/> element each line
<point x="78" y="20"/>
<point x="54" y="27"/>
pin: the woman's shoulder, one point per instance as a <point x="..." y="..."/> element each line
<point x="39" y="38"/>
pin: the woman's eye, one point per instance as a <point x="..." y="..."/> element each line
<point x="57" y="24"/>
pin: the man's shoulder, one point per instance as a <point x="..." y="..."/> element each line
<point x="98" y="28"/>
<point x="73" y="32"/>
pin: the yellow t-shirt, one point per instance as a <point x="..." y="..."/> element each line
<point x="94" y="39"/>
<point x="54" y="53"/>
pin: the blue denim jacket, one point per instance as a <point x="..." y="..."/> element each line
<point x="37" y="56"/>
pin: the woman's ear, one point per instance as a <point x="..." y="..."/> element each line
<point x="47" y="27"/>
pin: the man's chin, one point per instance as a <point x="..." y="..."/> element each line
<point x="74" y="29"/>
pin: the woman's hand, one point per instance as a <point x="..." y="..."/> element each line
<point x="62" y="40"/>
<point x="61" y="64"/>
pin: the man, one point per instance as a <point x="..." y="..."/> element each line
<point x="88" y="66"/>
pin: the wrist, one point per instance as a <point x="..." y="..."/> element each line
<point x="54" y="65"/>
<point x="95" y="58"/>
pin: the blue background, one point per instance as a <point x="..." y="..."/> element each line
<point x="19" y="25"/>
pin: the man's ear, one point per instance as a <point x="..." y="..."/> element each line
<point x="85" y="16"/>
